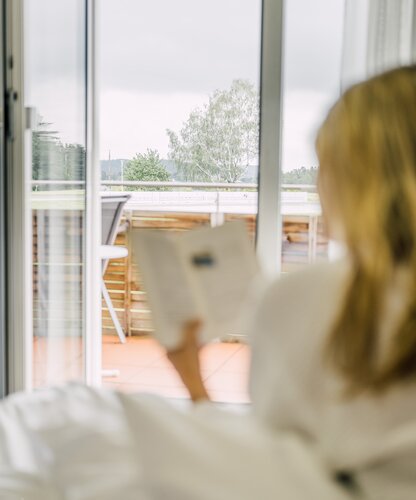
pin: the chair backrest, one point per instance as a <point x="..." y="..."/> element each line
<point x="112" y="210"/>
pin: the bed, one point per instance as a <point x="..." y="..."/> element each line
<point x="78" y="443"/>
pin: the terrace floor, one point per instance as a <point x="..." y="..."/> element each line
<point x="143" y="366"/>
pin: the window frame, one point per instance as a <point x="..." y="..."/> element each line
<point x="269" y="242"/>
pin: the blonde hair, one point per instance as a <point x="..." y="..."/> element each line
<point x="367" y="153"/>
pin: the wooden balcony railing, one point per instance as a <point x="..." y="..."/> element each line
<point x="303" y="242"/>
<point x="58" y="246"/>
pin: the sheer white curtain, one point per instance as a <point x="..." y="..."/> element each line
<point x="379" y="34"/>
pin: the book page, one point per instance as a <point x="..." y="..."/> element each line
<point x="166" y="281"/>
<point x="224" y="266"/>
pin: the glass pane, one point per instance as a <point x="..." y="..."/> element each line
<point x="179" y="103"/>
<point x="312" y="82"/>
<point x="55" y="87"/>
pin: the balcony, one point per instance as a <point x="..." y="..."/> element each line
<point x="303" y="238"/>
<point x="141" y="363"/>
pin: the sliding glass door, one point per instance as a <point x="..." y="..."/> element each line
<point x="53" y="250"/>
<point x="179" y="123"/>
<point x="55" y="93"/>
<point x="64" y="205"/>
<point x="180" y="133"/>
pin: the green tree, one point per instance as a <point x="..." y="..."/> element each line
<point x="301" y="175"/>
<point x="146" y="167"/>
<point x="219" y="140"/>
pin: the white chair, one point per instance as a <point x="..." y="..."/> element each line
<point x="112" y="210"/>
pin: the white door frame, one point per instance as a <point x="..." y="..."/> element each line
<point x="3" y="253"/>
<point x="19" y="294"/>
<point x="92" y="225"/>
<point x="269" y="225"/>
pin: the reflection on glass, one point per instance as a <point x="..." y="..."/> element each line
<point x="55" y="48"/>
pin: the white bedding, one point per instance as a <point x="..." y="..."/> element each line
<point x="77" y="443"/>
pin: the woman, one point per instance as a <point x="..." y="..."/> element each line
<point x="334" y="347"/>
<point x="333" y="379"/>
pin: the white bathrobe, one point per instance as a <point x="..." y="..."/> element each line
<point x="79" y="443"/>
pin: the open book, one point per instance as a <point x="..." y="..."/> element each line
<point x="204" y="274"/>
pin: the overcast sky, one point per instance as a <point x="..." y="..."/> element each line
<point x="160" y="59"/>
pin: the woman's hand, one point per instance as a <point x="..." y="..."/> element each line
<point x="185" y="359"/>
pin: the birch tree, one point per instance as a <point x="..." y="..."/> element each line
<point x="220" y="140"/>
